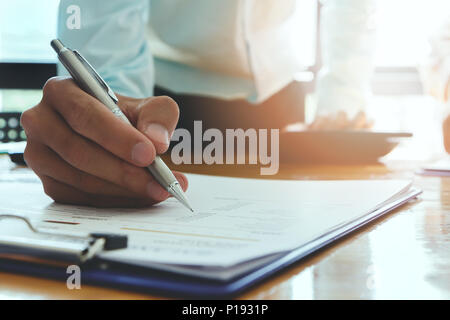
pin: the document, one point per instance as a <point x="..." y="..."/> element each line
<point x="440" y="167"/>
<point x="238" y="223"/>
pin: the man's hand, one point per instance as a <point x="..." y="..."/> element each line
<point x="340" y="121"/>
<point x="85" y="155"/>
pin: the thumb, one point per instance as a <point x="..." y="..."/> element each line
<point x="156" y="118"/>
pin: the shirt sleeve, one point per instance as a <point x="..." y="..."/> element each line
<point x="348" y="37"/>
<point x="112" y="37"/>
<point x="435" y="70"/>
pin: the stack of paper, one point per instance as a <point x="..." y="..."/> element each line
<point x="238" y="224"/>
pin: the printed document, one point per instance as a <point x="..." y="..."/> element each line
<point x="236" y="220"/>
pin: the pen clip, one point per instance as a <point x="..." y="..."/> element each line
<point x="96" y="76"/>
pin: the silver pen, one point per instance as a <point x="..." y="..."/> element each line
<point x="90" y="81"/>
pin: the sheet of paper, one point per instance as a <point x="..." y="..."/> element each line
<point x="235" y="219"/>
<point x="440" y="167"/>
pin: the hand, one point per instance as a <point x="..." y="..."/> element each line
<point x="85" y="155"/>
<point x="340" y="121"/>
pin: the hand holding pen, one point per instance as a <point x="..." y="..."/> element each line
<point x="85" y="155"/>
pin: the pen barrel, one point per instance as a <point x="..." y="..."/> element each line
<point x="87" y="82"/>
<point x="161" y="172"/>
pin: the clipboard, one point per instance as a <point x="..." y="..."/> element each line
<point x="50" y="247"/>
<point x="119" y="275"/>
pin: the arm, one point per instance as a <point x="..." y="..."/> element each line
<point x="436" y="75"/>
<point x="436" y="70"/>
<point x="347" y="43"/>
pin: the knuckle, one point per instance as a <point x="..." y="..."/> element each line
<point x="33" y="158"/>
<point x="28" y="155"/>
<point x="50" y="87"/>
<point x="28" y="120"/>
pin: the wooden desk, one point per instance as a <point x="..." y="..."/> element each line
<point x="404" y="255"/>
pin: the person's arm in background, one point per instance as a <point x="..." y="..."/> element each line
<point x="82" y="153"/>
<point x="436" y="75"/>
<point x="347" y="48"/>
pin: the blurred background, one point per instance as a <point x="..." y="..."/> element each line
<point x="399" y="101"/>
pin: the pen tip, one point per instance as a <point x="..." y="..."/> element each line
<point x="178" y="193"/>
<point x="187" y="205"/>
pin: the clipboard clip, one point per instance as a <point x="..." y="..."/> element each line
<point x="57" y="247"/>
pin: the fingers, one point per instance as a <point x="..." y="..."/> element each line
<point x="157" y="118"/>
<point x="67" y="194"/>
<point x="65" y="184"/>
<point x="359" y="121"/>
<point x="319" y="123"/>
<point x="91" y="119"/>
<point x="48" y="163"/>
<point x="341" y="121"/>
<point x="331" y="122"/>
<point x="85" y="155"/>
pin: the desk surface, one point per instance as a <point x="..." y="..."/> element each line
<point x="404" y="255"/>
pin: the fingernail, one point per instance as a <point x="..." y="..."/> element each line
<point x="142" y="154"/>
<point x="158" y="133"/>
<point x="156" y="192"/>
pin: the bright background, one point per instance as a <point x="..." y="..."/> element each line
<point x="403" y="26"/>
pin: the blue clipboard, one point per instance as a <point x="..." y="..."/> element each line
<point x="142" y="279"/>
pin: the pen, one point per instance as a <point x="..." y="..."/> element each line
<point x="90" y="81"/>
